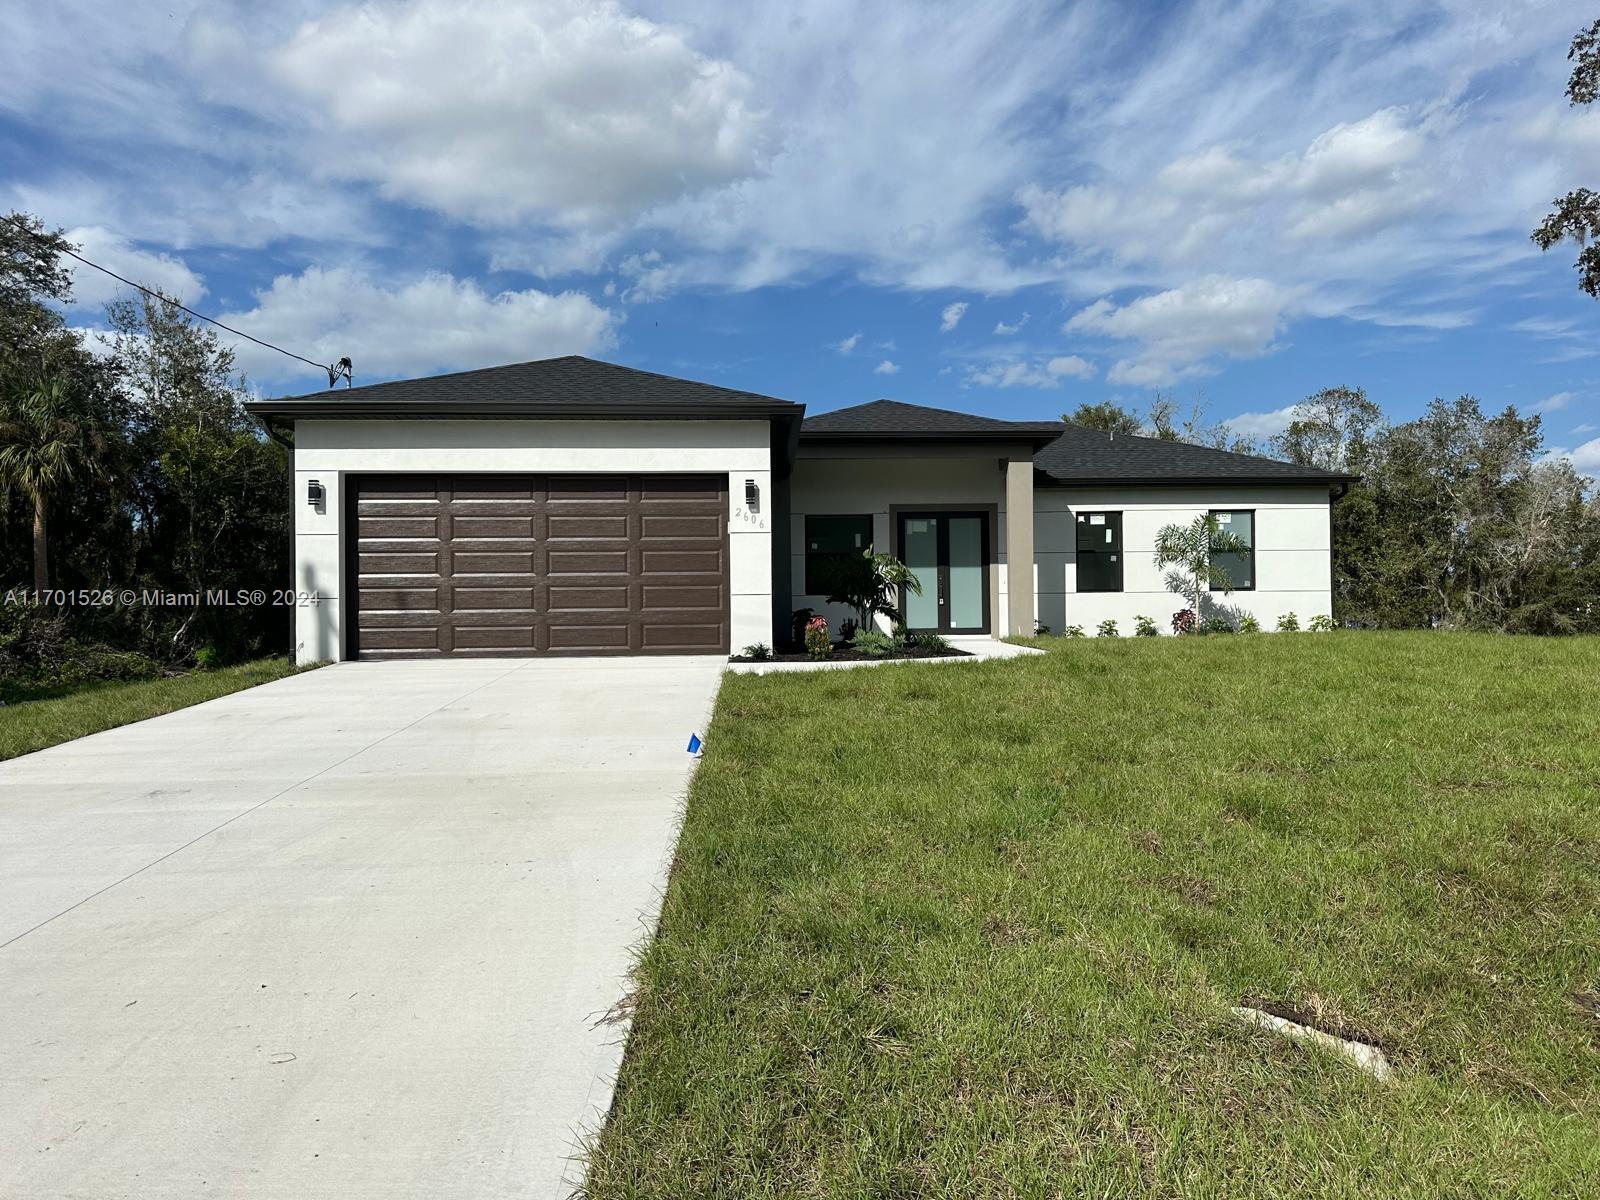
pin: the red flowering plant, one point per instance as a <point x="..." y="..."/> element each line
<point x="1183" y="621"/>
<point x="818" y="643"/>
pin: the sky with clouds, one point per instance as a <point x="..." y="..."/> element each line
<point x="1009" y="208"/>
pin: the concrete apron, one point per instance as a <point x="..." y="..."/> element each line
<point x="348" y="934"/>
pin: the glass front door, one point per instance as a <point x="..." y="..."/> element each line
<point x="948" y="552"/>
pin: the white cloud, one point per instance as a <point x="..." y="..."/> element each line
<point x="1553" y="402"/>
<point x="846" y="345"/>
<point x="951" y="315"/>
<point x="497" y="110"/>
<point x="1015" y="373"/>
<point x="1585" y="458"/>
<point x="163" y="272"/>
<point x="1179" y="329"/>
<point x="886" y="368"/>
<point x="1004" y="330"/>
<point x="1260" y="426"/>
<point x="1070" y="366"/>
<point x="429" y="324"/>
<point x="1586" y="427"/>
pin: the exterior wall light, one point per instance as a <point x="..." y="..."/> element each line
<point x="752" y="496"/>
<point x="314" y="493"/>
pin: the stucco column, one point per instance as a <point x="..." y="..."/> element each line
<point x="1019" y="546"/>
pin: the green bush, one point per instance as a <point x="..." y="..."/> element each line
<point x="1145" y="627"/>
<point x="758" y="652"/>
<point x="818" y="644"/>
<point x="930" y="642"/>
<point x="873" y="643"/>
<point x="1216" y="625"/>
<point x="1106" y="628"/>
<point x="1248" y="624"/>
<point x="1321" y="623"/>
<point x="1073" y="631"/>
<point x="1288" y="623"/>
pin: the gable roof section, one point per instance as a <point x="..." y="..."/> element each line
<point x="1082" y="455"/>
<point x="573" y="386"/>
<point x="892" y="420"/>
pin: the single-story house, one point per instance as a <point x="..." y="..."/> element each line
<point x="569" y="506"/>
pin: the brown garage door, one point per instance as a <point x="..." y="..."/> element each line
<point x="537" y="564"/>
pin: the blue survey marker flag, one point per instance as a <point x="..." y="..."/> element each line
<point x="695" y="743"/>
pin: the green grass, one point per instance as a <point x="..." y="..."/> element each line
<point x="971" y="930"/>
<point x="34" y="718"/>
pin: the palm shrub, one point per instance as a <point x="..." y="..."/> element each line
<point x="1189" y="550"/>
<point x="1145" y="627"/>
<point x="47" y="442"/>
<point x="870" y="583"/>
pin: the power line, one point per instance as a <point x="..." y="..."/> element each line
<point x="343" y="369"/>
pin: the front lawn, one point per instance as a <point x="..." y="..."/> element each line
<point x="32" y="719"/>
<point x="973" y="930"/>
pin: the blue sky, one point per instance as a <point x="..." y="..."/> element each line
<point x="1007" y="208"/>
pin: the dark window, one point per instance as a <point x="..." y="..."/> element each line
<point x="1099" y="551"/>
<point x="1240" y="567"/>
<point x="828" y="539"/>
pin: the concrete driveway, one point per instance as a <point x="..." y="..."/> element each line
<point x="348" y="934"/>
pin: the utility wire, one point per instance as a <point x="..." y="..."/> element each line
<point x="338" y="370"/>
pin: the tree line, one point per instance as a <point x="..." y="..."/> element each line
<point x="1458" y="520"/>
<point x="127" y="464"/>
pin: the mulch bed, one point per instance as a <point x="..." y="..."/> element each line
<point x="850" y="654"/>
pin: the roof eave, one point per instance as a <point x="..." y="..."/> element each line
<point x="512" y="410"/>
<point x="1191" y="480"/>
<point x="1039" y="438"/>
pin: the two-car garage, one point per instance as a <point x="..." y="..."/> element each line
<point x="558" y="507"/>
<point x="533" y="564"/>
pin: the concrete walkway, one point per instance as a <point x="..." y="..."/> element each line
<point x="343" y="935"/>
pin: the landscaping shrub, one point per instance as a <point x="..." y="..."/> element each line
<point x="1145" y="627"/>
<point x="1321" y="623"/>
<point x="1288" y="623"/>
<point x="1073" y="631"/>
<point x="873" y="643"/>
<point x="931" y="642"/>
<point x="1216" y="625"/>
<point x="1106" y="628"/>
<point x="1040" y="629"/>
<point x="818" y="644"/>
<point x="797" y="625"/>
<point x="1183" y="621"/>
<point x="1248" y="624"/>
<point x="758" y="652"/>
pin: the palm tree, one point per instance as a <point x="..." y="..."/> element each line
<point x="1190" y="548"/>
<point x="46" y="442"/>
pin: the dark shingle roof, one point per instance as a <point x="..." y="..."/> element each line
<point x="555" y="387"/>
<point x="1082" y="455"/>
<point x="891" y="419"/>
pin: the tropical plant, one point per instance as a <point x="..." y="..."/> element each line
<point x="1321" y="623"/>
<point x="1183" y="621"/>
<point x="1288" y="623"/>
<point x="870" y="583"/>
<point x="1191" y="550"/>
<point x="874" y="643"/>
<point x="758" y="652"/>
<point x="1073" y="631"/>
<point x="1249" y="624"/>
<point x="47" y="442"/>
<point x="927" y="641"/>
<point x="1145" y="627"/>
<point x="1216" y="625"/>
<point x="818" y="643"/>
<point x="1106" y="628"/>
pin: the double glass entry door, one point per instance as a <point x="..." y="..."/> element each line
<point x="948" y="552"/>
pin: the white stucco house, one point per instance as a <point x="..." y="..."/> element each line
<point x="569" y="506"/>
